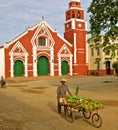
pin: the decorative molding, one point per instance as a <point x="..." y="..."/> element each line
<point x="19" y="46"/>
<point x="64" y="51"/>
<point x="42" y="26"/>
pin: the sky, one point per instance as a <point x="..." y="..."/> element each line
<point x="17" y="15"/>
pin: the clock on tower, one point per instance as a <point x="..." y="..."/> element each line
<point x="76" y="34"/>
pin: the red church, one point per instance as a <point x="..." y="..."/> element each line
<point x="41" y="51"/>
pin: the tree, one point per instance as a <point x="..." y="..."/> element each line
<point x="104" y="23"/>
<point x="115" y="66"/>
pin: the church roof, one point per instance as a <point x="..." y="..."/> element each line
<point x="6" y="45"/>
<point x="76" y="0"/>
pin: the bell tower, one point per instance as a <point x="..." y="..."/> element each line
<point x="76" y="34"/>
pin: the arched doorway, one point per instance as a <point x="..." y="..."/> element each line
<point x="18" y="68"/>
<point x="108" y="68"/>
<point x="64" y="68"/>
<point x="42" y="66"/>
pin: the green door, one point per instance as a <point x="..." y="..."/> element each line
<point x="64" y="68"/>
<point x="18" y="68"/>
<point x="42" y="66"/>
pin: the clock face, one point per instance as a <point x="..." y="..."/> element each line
<point x="79" y="25"/>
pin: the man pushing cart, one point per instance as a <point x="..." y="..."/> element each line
<point x="73" y="103"/>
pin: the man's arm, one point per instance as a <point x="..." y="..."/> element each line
<point x="58" y="95"/>
<point x="69" y="92"/>
<point x="58" y="92"/>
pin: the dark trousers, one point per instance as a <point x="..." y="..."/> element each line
<point x="60" y="107"/>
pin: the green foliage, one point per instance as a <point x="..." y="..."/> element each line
<point x="84" y="103"/>
<point x="77" y="90"/>
<point x="104" y="22"/>
<point x="115" y="66"/>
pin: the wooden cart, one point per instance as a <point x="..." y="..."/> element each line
<point x="93" y="115"/>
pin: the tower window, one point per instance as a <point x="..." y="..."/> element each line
<point x="78" y="15"/>
<point x="76" y="3"/>
<point x="42" y="41"/>
<point x="73" y="15"/>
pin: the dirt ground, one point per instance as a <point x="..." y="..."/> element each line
<point x="30" y="103"/>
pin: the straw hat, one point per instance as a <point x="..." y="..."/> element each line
<point x="63" y="80"/>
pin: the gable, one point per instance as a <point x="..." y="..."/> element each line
<point x="43" y="31"/>
<point x="18" y="49"/>
<point x="64" y="50"/>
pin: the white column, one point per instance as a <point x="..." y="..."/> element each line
<point x="75" y="49"/>
<point x="59" y="64"/>
<point x="71" y="69"/>
<point x="73" y="24"/>
<point x="26" y="65"/>
<point x="34" y="61"/>
<point x="86" y="51"/>
<point x="51" y="61"/>
<point x="11" y="65"/>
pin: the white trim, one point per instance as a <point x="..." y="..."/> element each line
<point x="81" y="52"/>
<point x="71" y="70"/>
<point x="87" y="57"/>
<point x="42" y="26"/>
<point x="26" y="65"/>
<point x="80" y="49"/>
<point x="22" y="54"/>
<point x="68" y="52"/>
<point x="78" y="20"/>
<point x="73" y="23"/>
<point x="11" y="65"/>
<point x="43" y="53"/>
<point x="75" y="64"/>
<point x="6" y="45"/>
<point x="63" y="56"/>
<point x="75" y="49"/>
<point x="34" y="61"/>
<point x="59" y="62"/>
<point x="76" y="8"/>
<point x="2" y="62"/>
<point x="19" y="45"/>
<point x="86" y="26"/>
<point x="52" y="61"/>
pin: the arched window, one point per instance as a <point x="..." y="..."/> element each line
<point x="42" y="41"/>
<point x="73" y="14"/>
<point x="78" y="15"/>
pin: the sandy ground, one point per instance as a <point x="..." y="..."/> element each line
<point x="30" y="103"/>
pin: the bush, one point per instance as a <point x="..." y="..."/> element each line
<point x="115" y="66"/>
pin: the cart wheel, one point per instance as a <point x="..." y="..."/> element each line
<point x="87" y="115"/>
<point x="69" y="115"/>
<point x="96" y="120"/>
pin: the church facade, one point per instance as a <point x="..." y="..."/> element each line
<point x="41" y="51"/>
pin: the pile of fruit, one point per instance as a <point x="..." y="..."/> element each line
<point x="84" y="103"/>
